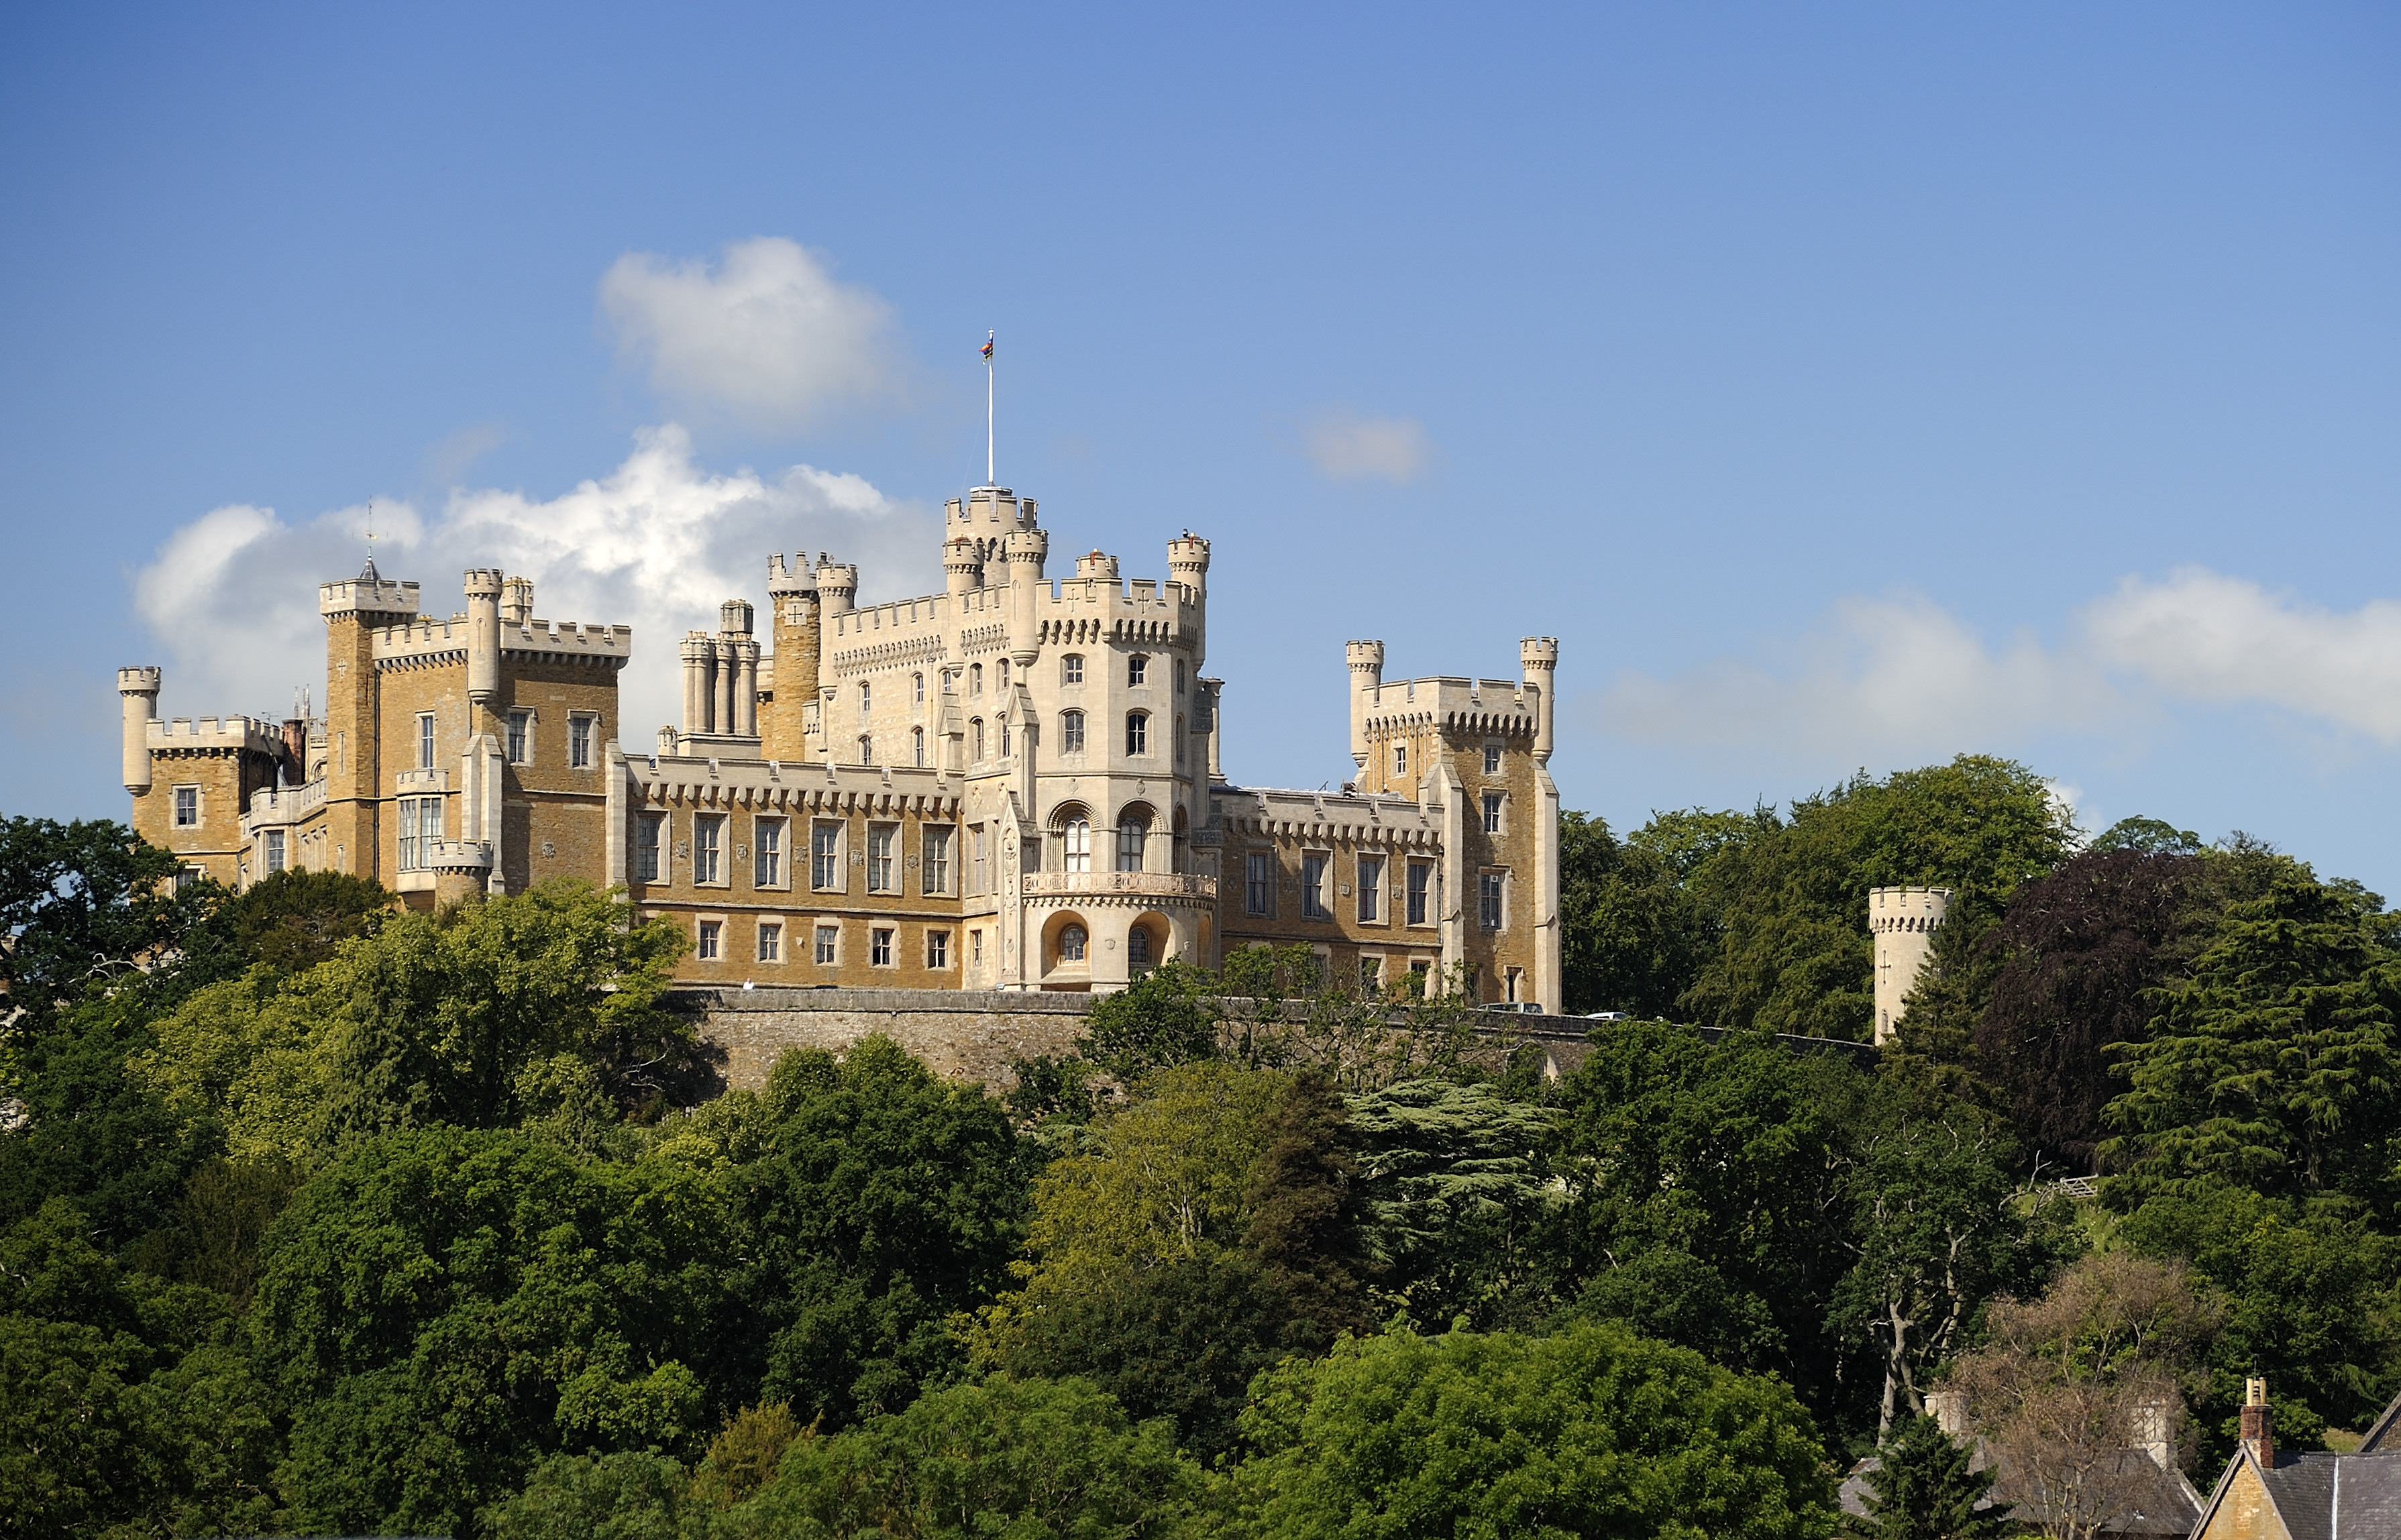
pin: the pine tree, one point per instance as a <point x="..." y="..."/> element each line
<point x="2275" y="1064"/>
<point x="1923" y="1489"/>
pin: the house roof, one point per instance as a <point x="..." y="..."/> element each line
<point x="2384" y="1434"/>
<point x="2339" y="1496"/>
<point x="2152" y="1501"/>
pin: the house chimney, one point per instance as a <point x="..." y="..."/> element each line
<point x="2259" y="1424"/>
<point x="1949" y="1408"/>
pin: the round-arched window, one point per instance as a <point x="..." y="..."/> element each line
<point x="1132" y="829"/>
<point x="1080" y="846"/>
<point x="1071" y="944"/>
<point x="1138" y="947"/>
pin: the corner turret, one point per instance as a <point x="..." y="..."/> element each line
<point x="1538" y="659"/>
<point x="139" y="686"/>
<point x="1366" y="677"/>
<point x="483" y="585"/>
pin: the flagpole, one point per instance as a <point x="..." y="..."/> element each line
<point x="989" y="478"/>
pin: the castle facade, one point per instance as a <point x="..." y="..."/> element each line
<point x="1015" y="784"/>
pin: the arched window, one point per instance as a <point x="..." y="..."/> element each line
<point x="1071" y="732"/>
<point x="1002" y="679"/>
<point x="866" y="697"/>
<point x="917" y="688"/>
<point x="1078" y="844"/>
<point x="1138" y="947"/>
<point x="1003" y="738"/>
<point x="1138" y="669"/>
<point x="975" y="741"/>
<point x="918" y="743"/>
<point x="975" y="678"/>
<point x="1179" y="740"/>
<point x="1071" y="669"/>
<point x="1137" y="732"/>
<point x="1071" y="944"/>
<point x="1179" y="677"/>
<point x="1132" y="829"/>
<point x="866" y="749"/>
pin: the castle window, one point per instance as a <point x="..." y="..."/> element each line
<point x="1078" y="852"/>
<point x="1179" y="740"/>
<point x="1132" y="831"/>
<point x="1071" y="944"/>
<point x="825" y="858"/>
<point x="420" y="825"/>
<point x="979" y="852"/>
<point x="1491" y="813"/>
<point x="425" y="739"/>
<point x="917" y="746"/>
<point x="1179" y="677"/>
<point x="1400" y="759"/>
<point x="771" y="941"/>
<point x="1493" y="756"/>
<point x="647" y="841"/>
<point x="1137" y="669"/>
<point x="938" y="949"/>
<point x="879" y="946"/>
<point x="187" y="807"/>
<point x="1492" y="889"/>
<point x="1071" y="669"/>
<point x="1371" y="889"/>
<point x="934" y="867"/>
<point x="520" y="736"/>
<point x="1420" y="886"/>
<point x="1312" y="885"/>
<point x="274" y="855"/>
<point x="1137" y="947"/>
<point x="975" y="678"/>
<point x="1071" y="732"/>
<point x="709" y="846"/>
<point x="1000" y="675"/>
<point x="975" y="741"/>
<point x="866" y="749"/>
<point x="768" y="835"/>
<point x="1137" y="733"/>
<point x="579" y="742"/>
<point x="866" y="699"/>
<point x="829" y="945"/>
<point x="712" y="940"/>
<point x="879" y="856"/>
<point x="1371" y="975"/>
<point x="1003" y="738"/>
<point x="917" y="689"/>
<point x="1258" y="883"/>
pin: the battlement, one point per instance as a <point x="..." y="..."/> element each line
<point x="674" y="781"/>
<point x="1454" y="703"/>
<point x="186" y="734"/>
<point x="436" y="641"/>
<point x="362" y="595"/>
<point x="1353" y="818"/>
<point x="278" y="806"/>
<point x="1903" y="909"/>
<point x="797" y="579"/>
<point x="987" y="511"/>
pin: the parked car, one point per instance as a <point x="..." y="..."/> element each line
<point x="1514" y="1007"/>
<point x="1605" y="1016"/>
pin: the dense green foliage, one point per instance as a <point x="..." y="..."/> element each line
<point x="1922" y="1489"/>
<point x="319" y="1214"/>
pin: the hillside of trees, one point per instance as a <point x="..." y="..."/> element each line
<point x="320" y="1217"/>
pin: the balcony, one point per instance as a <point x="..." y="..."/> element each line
<point x="1175" y="887"/>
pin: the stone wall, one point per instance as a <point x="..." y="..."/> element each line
<point x="965" y="1034"/>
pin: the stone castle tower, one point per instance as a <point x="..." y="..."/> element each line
<point x="1903" y="922"/>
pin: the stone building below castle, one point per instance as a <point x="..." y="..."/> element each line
<point x="1015" y="784"/>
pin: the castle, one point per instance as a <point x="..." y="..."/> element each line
<point x="1015" y="784"/>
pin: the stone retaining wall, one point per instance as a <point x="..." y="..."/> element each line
<point x="968" y="1034"/>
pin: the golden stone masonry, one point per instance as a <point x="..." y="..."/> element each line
<point x="1014" y="784"/>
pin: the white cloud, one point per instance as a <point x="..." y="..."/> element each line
<point x="656" y="544"/>
<point x="2226" y="640"/>
<point x="1900" y="677"/>
<point x="1346" y="447"/>
<point x="767" y="333"/>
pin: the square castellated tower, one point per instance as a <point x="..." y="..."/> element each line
<point x="1014" y="784"/>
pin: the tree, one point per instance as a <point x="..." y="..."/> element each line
<point x="633" y="1495"/>
<point x="1594" y="1431"/>
<point x="295" y="920"/>
<point x="1934" y="1237"/>
<point x="1304" y="1210"/>
<point x="440" y="1308"/>
<point x="1456" y="1182"/>
<point x="1166" y="1017"/>
<point x="2274" y="1063"/>
<point x="1924" y="1488"/>
<point x="1633" y="933"/>
<point x="880" y="1200"/>
<point x="2146" y="837"/>
<point x="1795" y="955"/>
<point x="84" y="903"/>
<point x="1017" y="1457"/>
<point x="1704" y="1196"/>
<point x="2070" y="1387"/>
<point x="2073" y="961"/>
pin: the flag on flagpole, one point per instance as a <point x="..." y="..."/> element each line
<point x="987" y="350"/>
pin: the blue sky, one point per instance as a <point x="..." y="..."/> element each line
<point x="1845" y="387"/>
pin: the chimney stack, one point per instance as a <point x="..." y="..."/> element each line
<point x="2259" y="1424"/>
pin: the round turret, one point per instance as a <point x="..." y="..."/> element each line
<point x="962" y="564"/>
<point x="1188" y="560"/>
<point x="837" y="587"/>
<point x="1366" y="677"/>
<point x="1903" y="922"/>
<point x="1538" y="661"/>
<point x="139" y="686"/>
<point x="483" y="584"/>
<point x="1097" y="565"/>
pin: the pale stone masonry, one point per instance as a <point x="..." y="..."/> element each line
<point x="1903" y="922"/>
<point x="1014" y="784"/>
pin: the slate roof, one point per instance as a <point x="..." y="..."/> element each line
<point x="2338" y="1496"/>
<point x="2158" y="1502"/>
